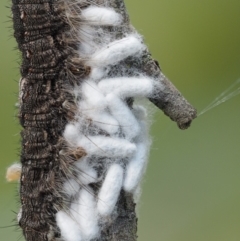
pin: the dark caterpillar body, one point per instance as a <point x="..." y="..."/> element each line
<point x="40" y="32"/>
<point x="84" y="141"/>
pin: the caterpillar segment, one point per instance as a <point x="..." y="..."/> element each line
<point x="85" y="140"/>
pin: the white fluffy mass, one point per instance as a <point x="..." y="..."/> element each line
<point x="110" y="189"/>
<point x="116" y="51"/>
<point x="94" y="15"/>
<point x="70" y="229"/>
<point x="111" y="130"/>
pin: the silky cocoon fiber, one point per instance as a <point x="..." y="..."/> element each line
<point x="135" y="168"/>
<point x="86" y="174"/>
<point x="87" y="214"/>
<point x="71" y="187"/>
<point x="84" y="139"/>
<point x="124" y="116"/>
<point x="136" y="87"/>
<point x="66" y="223"/>
<point x="105" y="136"/>
<point x="116" y="51"/>
<point x="106" y="126"/>
<point x="110" y="189"/>
<point x="101" y="16"/>
<point x="109" y="147"/>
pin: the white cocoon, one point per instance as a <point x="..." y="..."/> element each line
<point x="105" y="122"/>
<point x="101" y="16"/>
<point x="127" y="87"/>
<point x="109" y="192"/>
<point x="104" y="125"/>
<point x="70" y="230"/>
<point x="117" y="51"/>
<point x="107" y="146"/>
<point x="93" y="96"/>
<point x="87" y="214"/>
<point x="136" y="168"/>
<point x="124" y="115"/>
<point x="97" y="73"/>
<point x="99" y="117"/>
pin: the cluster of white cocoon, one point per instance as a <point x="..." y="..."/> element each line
<point x="105" y="127"/>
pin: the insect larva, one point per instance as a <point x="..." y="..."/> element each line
<point x="82" y="66"/>
<point x="40" y="31"/>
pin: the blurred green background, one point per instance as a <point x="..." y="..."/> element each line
<point x="191" y="191"/>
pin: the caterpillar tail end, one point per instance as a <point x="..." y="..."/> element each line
<point x="173" y="104"/>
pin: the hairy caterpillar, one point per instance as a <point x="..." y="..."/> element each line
<point x="84" y="141"/>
